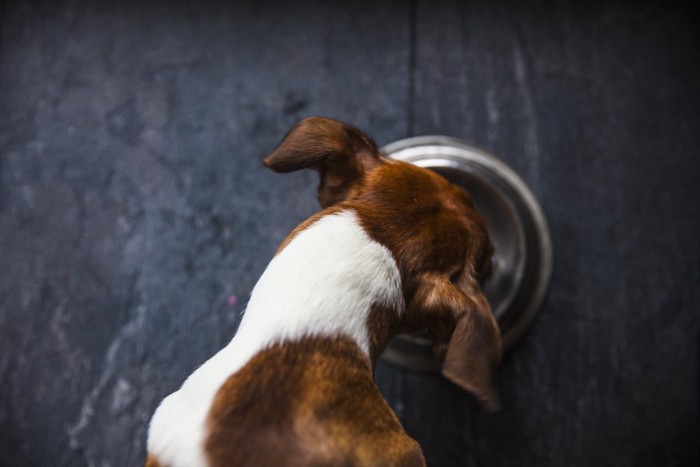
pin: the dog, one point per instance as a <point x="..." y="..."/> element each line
<point x="396" y="248"/>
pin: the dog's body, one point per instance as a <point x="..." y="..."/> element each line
<point x="397" y="247"/>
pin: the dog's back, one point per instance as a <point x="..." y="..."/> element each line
<point x="307" y="404"/>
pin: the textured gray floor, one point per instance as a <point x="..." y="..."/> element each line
<point x="133" y="206"/>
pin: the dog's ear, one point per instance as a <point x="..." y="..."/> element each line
<point x="474" y="353"/>
<point x="465" y="334"/>
<point x="342" y="154"/>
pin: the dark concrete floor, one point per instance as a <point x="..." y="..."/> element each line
<point x="133" y="205"/>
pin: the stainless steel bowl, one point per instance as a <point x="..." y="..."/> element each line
<point x="522" y="259"/>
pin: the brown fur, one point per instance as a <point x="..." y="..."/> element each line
<point x="308" y="403"/>
<point x="382" y="324"/>
<point x="151" y="461"/>
<point x="339" y="152"/>
<point x="442" y="249"/>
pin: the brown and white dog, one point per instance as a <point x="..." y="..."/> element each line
<point x="395" y="248"/>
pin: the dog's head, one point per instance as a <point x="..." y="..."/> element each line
<point x="438" y="240"/>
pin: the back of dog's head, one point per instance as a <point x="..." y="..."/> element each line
<point x="439" y="241"/>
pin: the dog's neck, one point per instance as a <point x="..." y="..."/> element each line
<point x="326" y="281"/>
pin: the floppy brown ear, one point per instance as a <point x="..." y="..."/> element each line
<point x="474" y="352"/>
<point x="341" y="153"/>
<point x="465" y="334"/>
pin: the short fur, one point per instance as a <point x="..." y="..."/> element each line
<point x="396" y="247"/>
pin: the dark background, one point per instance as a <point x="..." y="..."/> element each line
<point x="133" y="204"/>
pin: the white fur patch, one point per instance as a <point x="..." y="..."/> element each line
<point x="323" y="283"/>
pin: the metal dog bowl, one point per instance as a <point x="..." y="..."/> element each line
<point x="522" y="259"/>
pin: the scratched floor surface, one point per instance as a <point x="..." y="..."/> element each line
<point x="135" y="215"/>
